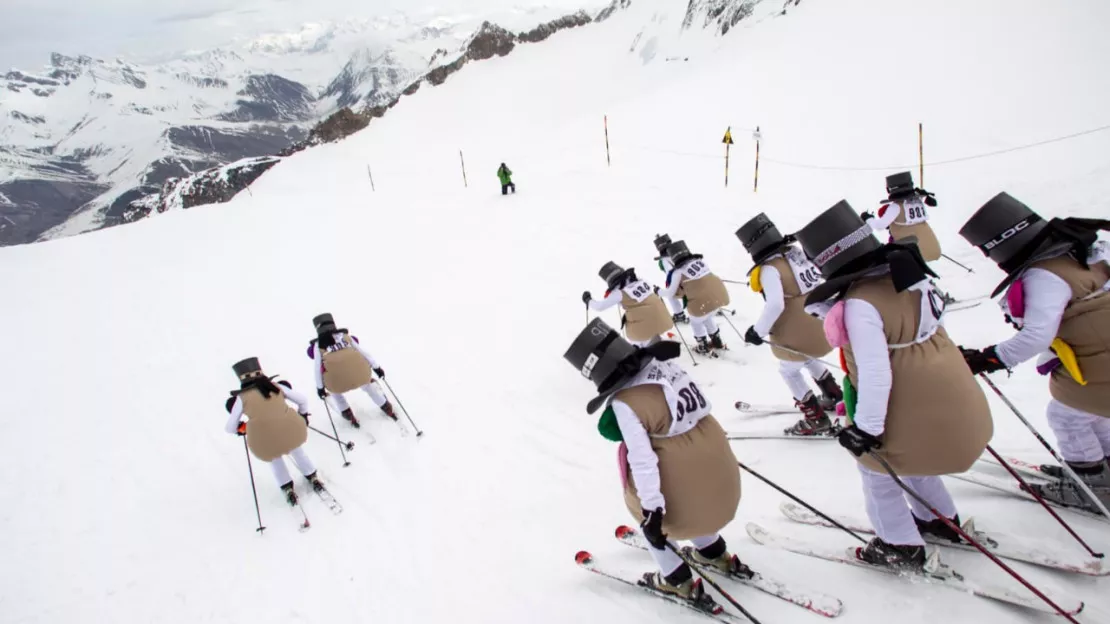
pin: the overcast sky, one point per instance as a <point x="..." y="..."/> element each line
<point x="31" y="29"/>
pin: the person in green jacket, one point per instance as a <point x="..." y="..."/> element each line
<point x="506" y="176"/>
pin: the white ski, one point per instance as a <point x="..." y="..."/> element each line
<point x="1001" y="545"/>
<point x="937" y="573"/>
<point x="757" y="409"/>
<point x="1009" y="486"/>
<point x="778" y="436"/>
<point x="1027" y="469"/>
<point x="821" y="604"/>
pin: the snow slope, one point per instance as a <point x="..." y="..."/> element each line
<point x="125" y="501"/>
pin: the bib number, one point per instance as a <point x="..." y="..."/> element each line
<point x="932" y="311"/>
<point x="806" y="273"/>
<point x="638" y="291"/>
<point x="690" y="400"/>
<point x="695" y="270"/>
<point x="914" y="212"/>
<point x="339" y="345"/>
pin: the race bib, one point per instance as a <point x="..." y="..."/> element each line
<point x="932" y="310"/>
<point x="695" y="270"/>
<point x="684" y="397"/>
<point x="806" y="273"/>
<point x="913" y="212"/>
<point x="340" y="344"/>
<point x="638" y="291"/>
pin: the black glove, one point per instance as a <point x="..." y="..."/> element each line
<point x="652" y="527"/>
<point x="866" y="215"/>
<point x="586" y="297"/>
<point x="380" y="372"/>
<point x="857" y="441"/>
<point x="985" y="361"/>
<point x="930" y="201"/>
<point x="305" y="417"/>
<point x="751" y="337"/>
<point x="322" y="393"/>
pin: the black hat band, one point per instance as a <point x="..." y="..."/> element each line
<point x="760" y="232"/>
<point x="1008" y="234"/>
<point x="842" y="245"/>
<point x="595" y="356"/>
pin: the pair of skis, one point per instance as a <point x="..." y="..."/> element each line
<point x="820" y="604"/>
<point x="327" y="498"/>
<point x="755" y="410"/>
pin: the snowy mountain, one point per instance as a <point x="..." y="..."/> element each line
<point x="125" y="500"/>
<point x="91" y="137"/>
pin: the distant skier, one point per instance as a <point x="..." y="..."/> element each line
<point x="645" y="316"/>
<point x="679" y="473"/>
<point x="678" y="313"/>
<point x="1058" y="296"/>
<point x="506" y="177"/>
<point x="703" y="291"/>
<point x="342" y="365"/>
<point x="912" y="400"/>
<point x="273" y="428"/>
<point x="783" y="276"/>
<point x="905" y="213"/>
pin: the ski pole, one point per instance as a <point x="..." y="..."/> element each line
<point x="1063" y="464"/>
<point x="962" y="266"/>
<point x="683" y="338"/>
<point x="729" y="321"/>
<point x="348" y="445"/>
<point x="712" y="583"/>
<point x="336" y="438"/>
<point x="802" y="503"/>
<point x="402" y="406"/>
<point x="955" y="527"/>
<point x="736" y="282"/>
<point x="1040" y="499"/>
<point x="250" y="468"/>
<point x="799" y="353"/>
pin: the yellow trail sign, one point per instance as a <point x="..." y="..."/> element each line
<point x="728" y="137"/>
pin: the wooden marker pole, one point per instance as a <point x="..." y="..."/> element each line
<point x="608" y="161"/>
<point x="371" y="174"/>
<point x="921" y="155"/>
<point x="462" y="161"/>
<point x="757" y="136"/>
<point x="728" y="147"/>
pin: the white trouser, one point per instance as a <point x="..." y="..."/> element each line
<point x="300" y="458"/>
<point x="704" y="325"/>
<point x="673" y="304"/>
<point x="792" y="374"/>
<point x="1082" y="436"/>
<point x="372" y="388"/>
<point x="669" y="562"/>
<point x="886" y="505"/>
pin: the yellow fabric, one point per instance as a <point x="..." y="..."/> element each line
<point x="1067" y="358"/>
<point x="756" y="285"/>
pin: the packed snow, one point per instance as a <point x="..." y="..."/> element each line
<point x="125" y="500"/>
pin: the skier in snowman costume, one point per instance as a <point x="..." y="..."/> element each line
<point x="645" y="317"/>
<point x="703" y="291"/>
<point x="678" y="311"/>
<point x="341" y="365"/>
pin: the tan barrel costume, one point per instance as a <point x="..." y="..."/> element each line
<point x="698" y="473"/>
<point x="274" y="428"/>
<point x="704" y="295"/>
<point x="795" y="328"/>
<point x="345" y="369"/>
<point x="938" y="420"/>
<point x="1086" y="328"/>
<point x="647" y="319"/>
<point x="926" y="239"/>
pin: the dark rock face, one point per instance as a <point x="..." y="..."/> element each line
<point x="543" y="31"/>
<point x="214" y="186"/>
<point x="608" y="11"/>
<point x="272" y="98"/>
<point x="491" y="40"/>
<point x="726" y="13"/>
<point x="30" y="207"/>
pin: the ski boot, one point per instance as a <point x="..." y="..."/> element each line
<point x="681" y="584"/>
<point x="716" y="556"/>
<point x="831" y="394"/>
<point x="716" y="342"/>
<point x="317" y="485"/>
<point x="349" y="416"/>
<point x="816" y="421"/>
<point x="1057" y="472"/>
<point x="680" y="318"/>
<point x="387" y="409"/>
<point x="937" y="528"/>
<point x="703" y="346"/>
<point x="1065" y="492"/>
<point x="879" y="553"/>
<point x="290" y="495"/>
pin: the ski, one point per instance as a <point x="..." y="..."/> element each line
<point x="303" y="523"/>
<point x="936" y="573"/>
<point x="1013" y="488"/>
<point x="820" y="604"/>
<point x="960" y="306"/>
<point x="329" y="500"/>
<point x="587" y="561"/>
<point x="780" y="436"/>
<point x="1024" y="467"/>
<point x="758" y="409"/>
<point x="1004" y="546"/>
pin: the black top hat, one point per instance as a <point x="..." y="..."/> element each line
<point x="608" y="360"/>
<point x="661" y="242"/>
<point x="761" y="238"/>
<point x="323" y="322"/>
<point x="1013" y="236"/>
<point x="247" y="368"/>
<point x="680" y="254"/>
<point x="844" y="248"/>
<point x="900" y="185"/>
<point x="614" y="275"/>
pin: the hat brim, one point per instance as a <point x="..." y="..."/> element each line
<point x="762" y="256"/>
<point x="1052" y="251"/>
<point x="664" y="350"/>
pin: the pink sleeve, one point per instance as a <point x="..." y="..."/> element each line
<point x="835" y="331"/>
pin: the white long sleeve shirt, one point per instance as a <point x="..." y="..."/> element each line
<point x="775" y="302"/>
<point x="891" y="213"/>
<point x="319" y="357"/>
<point x="291" y="395"/>
<point x="867" y="335"/>
<point x="610" y="300"/>
<point x="642" y="460"/>
<point x="1046" y="297"/>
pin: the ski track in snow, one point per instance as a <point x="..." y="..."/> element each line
<point x="126" y="502"/>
